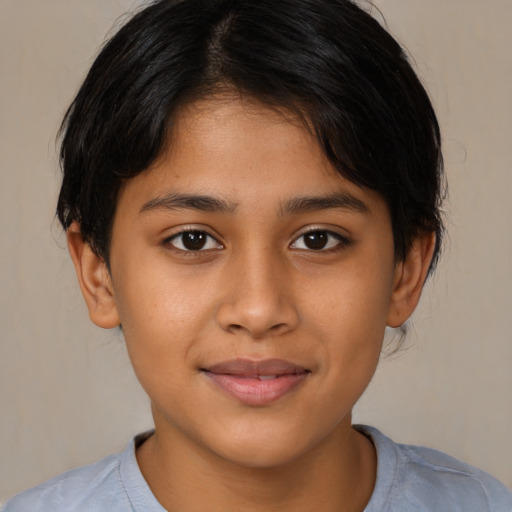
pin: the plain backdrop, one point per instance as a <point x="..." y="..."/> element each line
<point x="67" y="392"/>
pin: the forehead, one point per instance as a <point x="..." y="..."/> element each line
<point x="242" y="127"/>
<point x="239" y="151"/>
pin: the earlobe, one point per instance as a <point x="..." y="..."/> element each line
<point x="410" y="276"/>
<point x="94" y="279"/>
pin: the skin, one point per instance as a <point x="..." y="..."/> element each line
<point x="256" y="290"/>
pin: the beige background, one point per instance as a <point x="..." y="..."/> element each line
<point x="67" y="394"/>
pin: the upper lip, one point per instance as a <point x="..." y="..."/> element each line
<point x="249" y="367"/>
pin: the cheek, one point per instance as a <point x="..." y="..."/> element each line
<point x="155" y="320"/>
<point x="153" y="298"/>
<point x="349" y="319"/>
<point x="165" y="315"/>
<point x="350" y="350"/>
<point x="352" y="302"/>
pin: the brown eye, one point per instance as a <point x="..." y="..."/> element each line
<point x="319" y="240"/>
<point x="193" y="240"/>
<point x="316" y="240"/>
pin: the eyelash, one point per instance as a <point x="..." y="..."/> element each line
<point x="341" y="242"/>
<point x="192" y="252"/>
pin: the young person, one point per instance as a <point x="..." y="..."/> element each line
<point x="252" y="192"/>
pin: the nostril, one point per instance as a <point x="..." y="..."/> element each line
<point x="256" y="316"/>
<point x="278" y="327"/>
<point x="274" y="329"/>
<point x="235" y="328"/>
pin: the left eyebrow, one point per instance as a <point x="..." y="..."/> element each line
<point x="341" y="201"/>
<point x="175" y="201"/>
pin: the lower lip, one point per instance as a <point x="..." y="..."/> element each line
<point x="253" y="391"/>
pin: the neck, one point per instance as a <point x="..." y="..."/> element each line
<point x="337" y="475"/>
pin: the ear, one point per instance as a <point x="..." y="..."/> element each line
<point x="94" y="279"/>
<point x="409" y="278"/>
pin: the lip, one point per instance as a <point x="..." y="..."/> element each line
<point x="256" y="382"/>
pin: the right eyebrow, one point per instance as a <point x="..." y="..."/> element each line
<point x="175" y="201"/>
<point x="343" y="201"/>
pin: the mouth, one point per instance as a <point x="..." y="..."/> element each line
<point x="256" y="383"/>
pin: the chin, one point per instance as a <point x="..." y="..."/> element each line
<point x="265" y="449"/>
<point x="261" y="458"/>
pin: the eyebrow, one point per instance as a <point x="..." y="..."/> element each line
<point x="295" y="205"/>
<point x="341" y="200"/>
<point x="175" y="201"/>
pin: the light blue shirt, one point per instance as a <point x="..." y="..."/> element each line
<point x="409" y="479"/>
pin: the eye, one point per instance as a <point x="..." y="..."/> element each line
<point x="193" y="240"/>
<point x="319" y="240"/>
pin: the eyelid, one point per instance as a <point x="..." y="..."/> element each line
<point x="343" y="240"/>
<point x="181" y="230"/>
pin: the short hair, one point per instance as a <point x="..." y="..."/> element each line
<point x="328" y="61"/>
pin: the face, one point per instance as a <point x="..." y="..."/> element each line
<point x="253" y="285"/>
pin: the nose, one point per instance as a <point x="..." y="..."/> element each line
<point x="258" y="298"/>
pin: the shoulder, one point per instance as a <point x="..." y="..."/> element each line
<point x="83" y="489"/>
<point x="454" y="481"/>
<point x="422" y="479"/>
